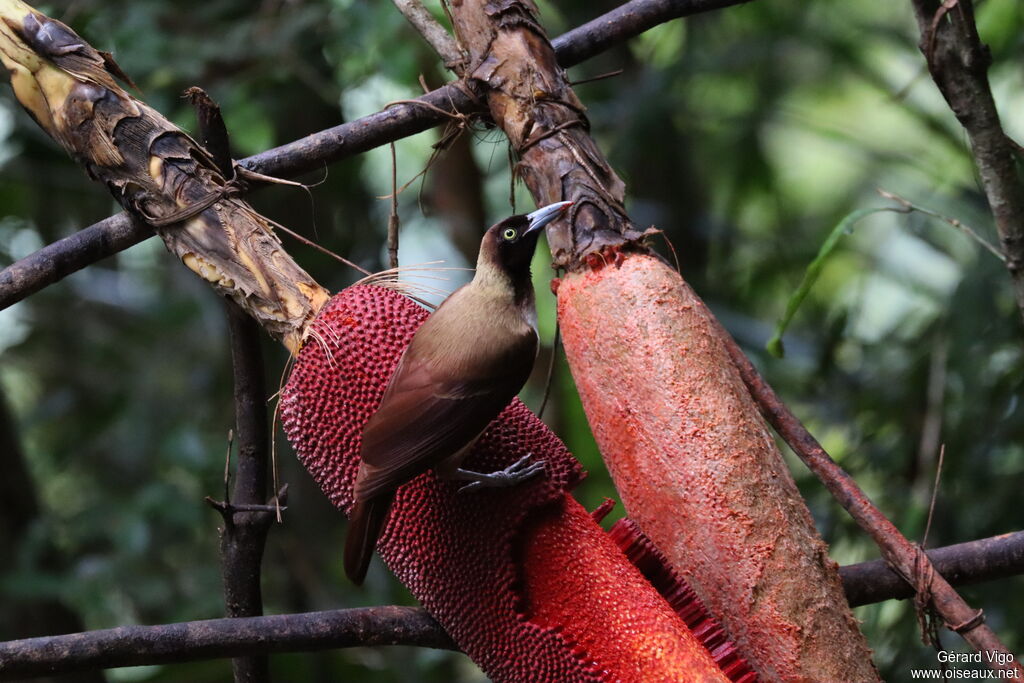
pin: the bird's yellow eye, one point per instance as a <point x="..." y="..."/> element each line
<point x="509" y="234"/>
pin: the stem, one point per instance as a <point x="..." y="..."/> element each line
<point x="393" y="217"/>
<point x="435" y="34"/>
<point x="244" y="534"/>
<point x="958" y="62"/>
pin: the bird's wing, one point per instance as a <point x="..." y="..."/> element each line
<point x="428" y="414"/>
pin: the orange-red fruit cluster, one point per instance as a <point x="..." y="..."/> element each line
<point x="522" y="578"/>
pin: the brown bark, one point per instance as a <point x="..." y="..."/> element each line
<point x="527" y="93"/>
<point x="985" y="559"/>
<point x="244" y="534"/>
<point x="156" y="171"/>
<point x="703" y="479"/>
<point x="958" y="62"/>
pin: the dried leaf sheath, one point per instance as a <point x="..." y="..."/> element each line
<point x="154" y="170"/>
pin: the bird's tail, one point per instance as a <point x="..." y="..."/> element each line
<point x="366" y="522"/>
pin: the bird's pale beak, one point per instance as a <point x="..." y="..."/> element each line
<point x="544" y="215"/>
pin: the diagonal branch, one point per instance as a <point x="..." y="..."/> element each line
<point x="435" y="34"/>
<point x="56" y="261"/>
<point x="624" y="22"/>
<point x="958" y="62"/>
<point x="68" y="255"/>
<point x="898" y="552"/>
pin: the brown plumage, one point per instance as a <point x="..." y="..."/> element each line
<point x="463" y="366"/>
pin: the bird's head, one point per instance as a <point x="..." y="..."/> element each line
<point x="509" y="244"/>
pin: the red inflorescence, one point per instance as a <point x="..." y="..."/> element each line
<point x="655" y="567"/>
<point x="462" y="555"/>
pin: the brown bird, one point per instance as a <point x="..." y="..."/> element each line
<point x="463" y="366"/>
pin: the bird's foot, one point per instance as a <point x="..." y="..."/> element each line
<point x="516" y="473"/>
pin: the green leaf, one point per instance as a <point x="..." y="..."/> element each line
<point x="774" y="345"/>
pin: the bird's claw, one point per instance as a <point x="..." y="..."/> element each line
<point x="516" y="473"/>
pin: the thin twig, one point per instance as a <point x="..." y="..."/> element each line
<point x="229" y="508"/>
<point x="393" y="217"/>
<point x="435" y="34"/>
<point x="227" y="466"/>
<point x="935" y="494"/>
<point x="599" y="77"/>
<point x="310" y="243"/>
<point x="276" y="399"/>
<point x="551" y="369"/>
<point x="955" y="222"/>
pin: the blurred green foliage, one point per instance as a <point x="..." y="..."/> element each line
<point x="744" y="134"/>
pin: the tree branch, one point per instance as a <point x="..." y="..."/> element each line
<point x="435" y="34"/>
<point x="56" y="261"/>
<point x="624" y="22"/>
<point x="958" y="62"/>
<point x="218" y="638"/>
<point x="973" y="562"/>
<point x="244" y="534"/>
<point x="962" y="564"/>
<point x="68" y="255"/>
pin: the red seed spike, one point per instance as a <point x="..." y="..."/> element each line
<point x="651" y="561"/>
<point x="524" y="580"/>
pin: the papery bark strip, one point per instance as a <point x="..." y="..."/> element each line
<point x="156" y="171"/>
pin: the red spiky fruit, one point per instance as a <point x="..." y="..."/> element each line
<point x="523" y="579"/>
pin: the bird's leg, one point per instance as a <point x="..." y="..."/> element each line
<point x="516" y="473"/>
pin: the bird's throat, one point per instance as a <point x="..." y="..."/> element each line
<point x="515" y="286"/>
